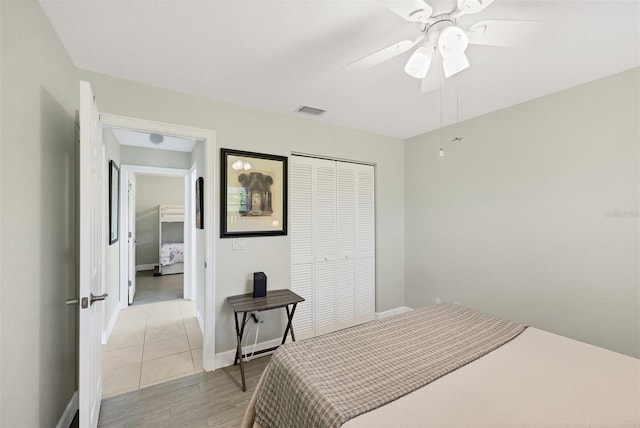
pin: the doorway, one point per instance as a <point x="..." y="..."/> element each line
<point x="159" y="228"/>
<point x="198" y="321"/>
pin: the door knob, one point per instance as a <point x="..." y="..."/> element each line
<point x="72" y="302"/>
<point x="98" y="298"/>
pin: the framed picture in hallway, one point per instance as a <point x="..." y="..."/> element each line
<point x="114" y="202"/>
<point x="200" y="203"/>
<point x="254" y="194"/>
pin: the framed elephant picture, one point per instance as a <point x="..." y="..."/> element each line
<point x="254" y="194"/>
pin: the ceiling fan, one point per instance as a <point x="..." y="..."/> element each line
<point x="440" y="47"/>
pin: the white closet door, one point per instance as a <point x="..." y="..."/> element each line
<point x="365" y="241"/>
<point x="345" y="242"/>
<point x="324" y="244"/>
<point x="301" y="229"/>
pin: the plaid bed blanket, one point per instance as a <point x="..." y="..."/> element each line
<point x="329" y="379"/>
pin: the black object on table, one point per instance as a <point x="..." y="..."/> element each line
<point x="245" y="303"/>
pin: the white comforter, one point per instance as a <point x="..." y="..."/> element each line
<point x="539" y="379"/>
<point x="172" y="253"/>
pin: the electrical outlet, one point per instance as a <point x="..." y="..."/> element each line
<point x="438" y="300"/>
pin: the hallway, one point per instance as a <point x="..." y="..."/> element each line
<point x="151" y="344"/>
<point x="152" y="289"/>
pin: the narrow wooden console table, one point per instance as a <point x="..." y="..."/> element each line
<point x="245" y="303"/>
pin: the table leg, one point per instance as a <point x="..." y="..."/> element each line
<point x="239" y="332"/>
<point x="289" y="324"/>
<point x="235" y="316"/>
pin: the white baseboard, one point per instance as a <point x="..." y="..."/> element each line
<point x="200" y="319"/>
<point x="392" y="312"/>
<point x="224" y="359"/>
<point x="151" y="266"/>
<point x="69" y="412"/>
<point x="112" y="322"/>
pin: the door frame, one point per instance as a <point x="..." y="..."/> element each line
<point x="210" y="207"/>
<point x="126" y="171"/>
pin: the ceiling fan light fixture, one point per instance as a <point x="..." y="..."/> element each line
<point x="454" y="64"/>
<point x="453" y="41"/>
<point x="419" y="62"/>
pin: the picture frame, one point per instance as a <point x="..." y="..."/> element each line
<point x="200" y="203"/>
<point x="114" y="202"/>
<point x="254" y="194"/>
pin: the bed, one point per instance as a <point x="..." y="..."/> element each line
<point x="446" y="366"/>
<point x="171" y="239"/>
<point x="172" y="258"/>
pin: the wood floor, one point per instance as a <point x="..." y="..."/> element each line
<point x="211" y="399"/>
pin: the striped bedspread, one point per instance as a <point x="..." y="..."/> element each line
<point x="329" y="379"/>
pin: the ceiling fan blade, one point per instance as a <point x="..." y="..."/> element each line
<point x="466" y="7"/>
<point x="411" y="10"/>
<point x="383" y="55"/>
<point x="505" y="33"/>
<point x="434" y="78"/>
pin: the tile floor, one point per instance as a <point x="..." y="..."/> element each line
<point x="151" y="344"/>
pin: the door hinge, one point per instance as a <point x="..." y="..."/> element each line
<point x="129" y="283"/>
<point x="130" y="234"/>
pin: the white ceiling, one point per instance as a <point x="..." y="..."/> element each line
<point x="142" y="139"/>
<point x="278" y="55"/>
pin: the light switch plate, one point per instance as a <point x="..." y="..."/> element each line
<point x="239" y="244"/>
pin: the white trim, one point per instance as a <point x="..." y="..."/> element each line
<point x="211" y="211"/>
<point x="224" y="359"/>
<point x="150" y="266"/>
<point x="200" y="319"/>
<point x="211" y="207"/>
<point x="69" y="412"/>
<point x="106" y="334"/>
<point x="392" y="312"/>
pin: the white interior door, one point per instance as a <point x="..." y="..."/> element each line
<point x="92" y="242"/>
<point x="325" y="245"/>
<point x="131" y="198"/>
<point x="301" y="231"/>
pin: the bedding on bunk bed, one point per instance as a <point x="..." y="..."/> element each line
<point x="172" y="253"/>
<point x="445" y="366"/>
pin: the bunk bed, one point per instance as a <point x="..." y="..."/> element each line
<point x="171" y="239"/>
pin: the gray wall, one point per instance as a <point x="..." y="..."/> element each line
<point x="534" y="215"/>
<point x="132" y="155"/>
<point x="151" y="191"/>
<point x="249" y="129"/>
<point x="112" y="252"/>
<point x="37" y="219"/>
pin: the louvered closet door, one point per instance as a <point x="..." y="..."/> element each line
<point x="365" y="243"/>
<point x="345" y="243"/>
<point x="324" y="245"/>
<point x="301" y="229"/>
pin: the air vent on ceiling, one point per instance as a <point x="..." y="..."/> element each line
<point x="310" y="110"/>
